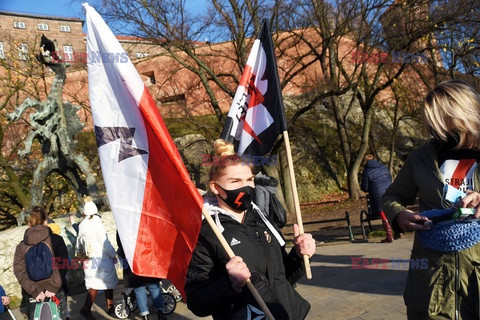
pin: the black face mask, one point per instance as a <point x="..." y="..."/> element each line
<point x="238" y="199"/>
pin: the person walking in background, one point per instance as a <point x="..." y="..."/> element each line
<point x="375" y="180"/>
<point x="40" y="281"/>
<point x="53" y="226"/>
<point x="449" y="287"/>
<point x="99" y="266"/>
<point x="141" y="285"/>
<point x="215" y="284"/>
<point x="5" y="300"/>
<point x="56" y="229"/>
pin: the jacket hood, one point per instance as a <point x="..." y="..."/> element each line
<point x="36" y="234"/>
<point x="263" y="180"/>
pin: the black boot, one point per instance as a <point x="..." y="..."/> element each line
<point x="109" y="302"/>
<point x="160" y="315"/>
<point x="86" y="309"/>
<point x="145" y="317"/>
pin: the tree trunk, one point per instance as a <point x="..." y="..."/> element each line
<point x="353" y="185"/>
<point x="342" y="134"/>
<point x="396" y="124"/>
<point x="15" y="183"/>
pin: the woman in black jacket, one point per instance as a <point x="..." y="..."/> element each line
<point x="215" y="284"/>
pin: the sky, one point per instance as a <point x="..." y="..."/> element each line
<point x="63" y="8"/>
<point x="67" y="8"/>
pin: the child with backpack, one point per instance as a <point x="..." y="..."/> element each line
<point x="33" y="263"/>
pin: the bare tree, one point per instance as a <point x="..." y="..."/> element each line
<point x="323" y="35"/>
<point x="447" y="32"/>
<point x="353" y="71"/>
<point x="19" y="77"/>
<point x="168" y="24"/>
<point x="363" y="48"/>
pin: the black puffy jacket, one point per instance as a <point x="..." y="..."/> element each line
<point x="208" y="288"/>
<point x="375" y="180"/>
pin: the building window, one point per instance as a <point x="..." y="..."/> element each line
<point x="65" y="28"/>
<point x="141" y="54"/>
<point x="23" y="51"/>
<point x="19" y="24"/>
<point x="43" y="26"/>
<point x="177" y="98"/>
<point x="2" y="55"/>
<point x="150" y="78"/>
<point x="68" y="53"/>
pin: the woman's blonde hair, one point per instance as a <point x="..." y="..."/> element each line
<point x="453" y="106"/>
<point x="225" y="156"/>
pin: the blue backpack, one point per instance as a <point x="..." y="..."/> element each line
<point x="39" y="259"/>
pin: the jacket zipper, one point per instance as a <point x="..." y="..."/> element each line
<point x="457" y="284"/>
<point x="435" y="172"/>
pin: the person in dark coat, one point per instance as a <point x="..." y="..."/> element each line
<point x="141" y="285"/>
<point x="375" y="180"/>
<point x="266" y="200"/>
<point x="215" y="283"/>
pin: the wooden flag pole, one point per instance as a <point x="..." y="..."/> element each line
<point x="230" y="254"/>
<point x="298" y="214"/>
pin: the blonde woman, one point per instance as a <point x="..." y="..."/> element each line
<point x="215" y="283"/>
<point x="445" y="285"/>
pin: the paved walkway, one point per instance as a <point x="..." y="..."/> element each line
<point x="337" y="290"/>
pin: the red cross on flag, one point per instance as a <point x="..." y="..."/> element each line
<point x="156" y="207"/>
<point x="256" y="116"/>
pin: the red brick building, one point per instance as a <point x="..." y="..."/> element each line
<point x="177" y="90"/>
<point x="20" y="34"/>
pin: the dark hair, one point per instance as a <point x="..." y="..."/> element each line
<point x="37" y="216"/>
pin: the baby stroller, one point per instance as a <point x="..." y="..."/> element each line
<point x="128" y="303"/>
<point x="10" y="312"/>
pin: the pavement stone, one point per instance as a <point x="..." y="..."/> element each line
<point x="336" y="290"/>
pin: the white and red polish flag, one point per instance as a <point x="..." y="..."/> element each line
<point x="156" y="207"/>
<point x="257" y="115"/>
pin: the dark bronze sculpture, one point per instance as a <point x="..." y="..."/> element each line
<point x="55" y="124"/>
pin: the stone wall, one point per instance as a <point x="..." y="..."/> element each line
<point x="11" y="237"/>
